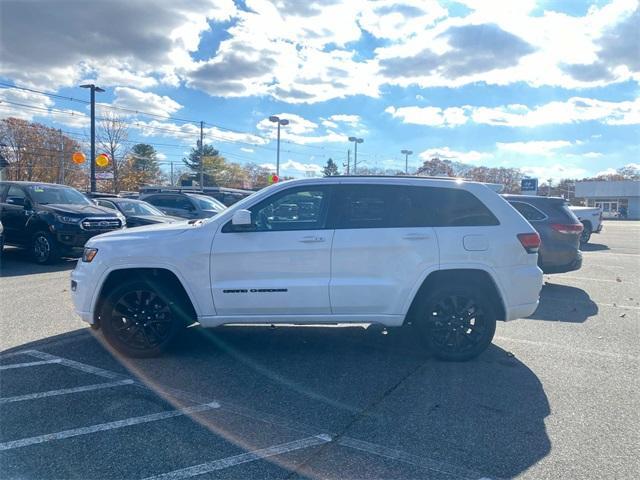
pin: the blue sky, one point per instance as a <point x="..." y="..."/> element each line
<point x="549" y="86"/>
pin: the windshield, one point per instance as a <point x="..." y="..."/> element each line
<point x="46" y="194"/>
<point x="130" y="208"/>
<point x="208" y="203"/>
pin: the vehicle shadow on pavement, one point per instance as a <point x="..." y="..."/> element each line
<point x="562" y="303"/>
<point x="594" y="247"/>
<point x="486" y="415"/>
<point x="17" y="262"/>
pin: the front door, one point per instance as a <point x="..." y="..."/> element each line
<point x="281" y="264"/>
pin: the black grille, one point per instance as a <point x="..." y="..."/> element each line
<point x="100" y="224"/>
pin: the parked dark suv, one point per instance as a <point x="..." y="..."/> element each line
<point x="184" y="205"/>
<point x="559" y="231"/>
<point x="52" y="220"/>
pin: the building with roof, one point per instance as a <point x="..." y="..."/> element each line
<point x="615" y="197"/>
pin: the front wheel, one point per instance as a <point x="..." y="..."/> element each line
<point x="138" y="320"/>
<point x="457" y="323"/>
<point x="44" y="248"/>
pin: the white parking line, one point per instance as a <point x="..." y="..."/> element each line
<point x="242" y="458"/>
<point x="73" y="364"/>
<point x="404" y="457"/>
<point x="28" y="364"/>
<point x="64" y="391"/>
<point x="101" y="427"/>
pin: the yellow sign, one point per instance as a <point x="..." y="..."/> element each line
<point x="102" y="160"/>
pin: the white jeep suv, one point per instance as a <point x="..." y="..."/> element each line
<point x="445" y="257"/>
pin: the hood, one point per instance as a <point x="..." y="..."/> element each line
<point x="157" y="218"/>
<point x="147" y="233"/>
<point x="88" y="210"/>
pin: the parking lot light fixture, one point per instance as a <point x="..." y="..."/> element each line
<point x="355" y="141"/>
<point x="406" y="154"/>
<point x="280" y="122"/>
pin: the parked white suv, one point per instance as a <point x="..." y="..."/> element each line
<point x="446" y="257"/>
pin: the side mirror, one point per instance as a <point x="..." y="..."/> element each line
<point x="241" y="218"/>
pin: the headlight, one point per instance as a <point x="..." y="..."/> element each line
<point x="65" y="219"/>
<point x="89" y="254"/>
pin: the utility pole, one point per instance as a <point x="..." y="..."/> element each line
<point x="348" y="160"/>
<point x="172" y="174"/>
<point x="202" y="156"/>
<point x="92" y="160"/>
<point x="61" y="170"/>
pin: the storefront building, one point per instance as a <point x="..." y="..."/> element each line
<point x="618" y="199"/>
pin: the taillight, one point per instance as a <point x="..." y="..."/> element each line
<point x="530" y="241"/>
<point x="568" y="227"/>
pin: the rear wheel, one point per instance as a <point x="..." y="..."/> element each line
<point x="44" y="248"/>
<point x="456" y="322"/>
<point x="140" y="321"/>
<point x="585" y="236"/>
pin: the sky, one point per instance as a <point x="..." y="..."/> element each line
<point x="547" y="86"/>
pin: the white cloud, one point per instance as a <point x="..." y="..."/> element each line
<point x="161" y="156"/>
<point x="592" y="155"/>
<point x="329" y="124"/>
<point x="608" y="171"/>
<point x="299" y="130"/>
<point x="190" y="133"/>
<point x="535" y="147"/>
<point x="12" y="101"/>
<point x="573" y="110"/>
<point x="397" y="20"/>
<point x="292" y="168"/>
<point x="344" y="118"/>
<point x="445" y="153"/>
<point x="247" y="150"/>
<point x="133" y="99"/>
<point x="555" y="171"/>
<point x="431" y="116"/>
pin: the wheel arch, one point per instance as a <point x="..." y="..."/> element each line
<point x="587" y="222"/>
<point x="161" y="277"/>
<point x="460" y="276"/>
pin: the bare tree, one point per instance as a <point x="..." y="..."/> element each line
<point x="112" y="135"/>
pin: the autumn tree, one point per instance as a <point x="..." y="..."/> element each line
<point x="330" y="169"/>
<point x="214" y="164"/>
<point x="436" y="168"/>
<point x="35" y="152"/>
<point x="112" y="134"/>
<point x="257" y="176"/>
<point x="140" y="168"/>
<point x="509" y="177"/>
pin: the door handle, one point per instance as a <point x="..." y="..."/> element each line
<point x="416" y="236"/>
<point x="311" y="239"/>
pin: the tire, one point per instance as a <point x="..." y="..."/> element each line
<point x="457" y="323"/>
<point x="140" y="321"/>
<point x="44" y="248"/>
<point x="585" y="236"/>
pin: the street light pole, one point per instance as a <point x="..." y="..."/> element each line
<point x="356" y="141"/>
<point x="92" y="162"/>
<point x="283" y="122"/>
<point x="406" y="160"/>
<point x="201" y="156"/>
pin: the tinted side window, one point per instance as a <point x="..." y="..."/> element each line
<point x="180" y="202"/>
<point x="15" y="193"/>
<point x="528" y="211"/>
<point x="459" y="208"/>
<point x="106" y="204"/>
<point x="303" y="208"/>
<point x="157" y="201"/>
<point x="381" y="206"/>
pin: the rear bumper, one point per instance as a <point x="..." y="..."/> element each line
<point x="575" y="264"/>
<point x="520" y="290"/>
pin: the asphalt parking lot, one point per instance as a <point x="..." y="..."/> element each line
<point x="555" y="396"/>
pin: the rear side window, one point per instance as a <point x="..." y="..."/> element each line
<point x="395" y="206"/>
<point x="528" y="211"/>
<point x="459" y="208"/>
<point x="381" y="206"/>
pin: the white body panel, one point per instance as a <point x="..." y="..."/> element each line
<point x="288" y="273"/>
<point x="318" y="276"/>
<point x="589" y="214"/>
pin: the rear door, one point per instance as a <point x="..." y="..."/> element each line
<point x="383" y="245"/>
<point x="14" y="216"/>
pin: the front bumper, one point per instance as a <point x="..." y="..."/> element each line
<point x="82" y="289"/>
<point x="74" y="238"/>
